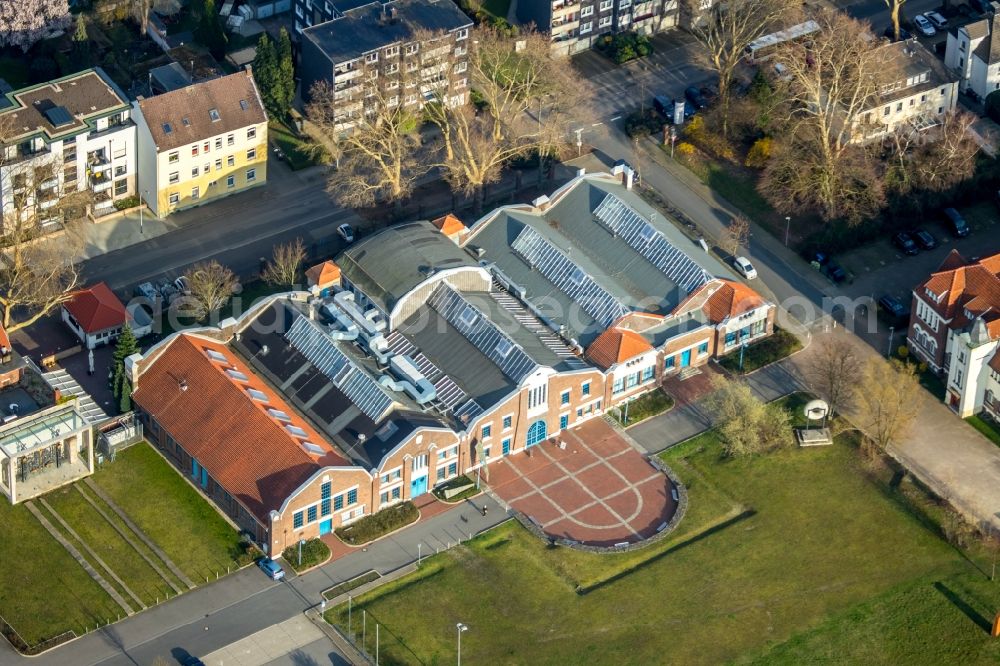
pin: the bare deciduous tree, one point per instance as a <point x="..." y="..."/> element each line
<point x="211" y="284"/>
<point x="894" y="7"/>
<point x="381" y="151"/>
<point x="746" y="423"/>
<point x="831" y="85"/>
<point x="937" y="159"/>
<point x="886" y="404"/>
<point x="725" y="30"/>
<point x="735" y="235"/>
<point x="833" y="373"/>
<point x="24" y="22"/>
<point x="141" y="9"/>
<point x="286" y="263"/>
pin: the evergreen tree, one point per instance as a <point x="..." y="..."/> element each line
<point x="81" y="44"/>
<point x="121" y="387"/>
<point x="210" y="32"/>
<point x="265" y="73"/>
<point x="81" y="30"/>
<point x="286" y="72"/>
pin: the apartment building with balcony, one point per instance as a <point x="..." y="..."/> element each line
<point x="973" y="52"/>
<point x="404" y="52"/>
<point x="919" y="91"/>
<point x="575" y="25"/>
<point x="201" y="142"/>
<point x="67" y="135"/>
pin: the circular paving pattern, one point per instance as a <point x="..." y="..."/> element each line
<point x="596" y="490"/>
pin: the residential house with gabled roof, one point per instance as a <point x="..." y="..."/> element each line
<point x="97" y="317"/>
<point x="973" y="53"/>
<point x="201" y="142"/>
<point x="955" y="329"/>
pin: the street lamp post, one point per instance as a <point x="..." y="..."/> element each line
<point x="301" y="541"/>
<point x="673" y="139"/>
<point x="892" y="332"/>
<point x="460" y="627"/>
<point x="788" y="224"/>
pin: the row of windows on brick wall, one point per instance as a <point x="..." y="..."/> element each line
<point x="311" y="514"/>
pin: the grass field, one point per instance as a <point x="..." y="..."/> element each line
<point x="293" y="146"/>
<point x="989" y="429"/>
<point x="148" y="489"/>
<point x="39" y="577"/>
<point x="797" y="548"/>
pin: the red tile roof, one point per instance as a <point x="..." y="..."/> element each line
<point x="248" y="452"/>
<point x="616" y="345"/>
<point x="449" y="225"/>
<point x="965" y="289"/>
<point x="4" y="338"/>
<point x="995" y="361"/>
<point x="96" y="308"/>
<point x="323" y="275"/>
<point x="731" y="299"/>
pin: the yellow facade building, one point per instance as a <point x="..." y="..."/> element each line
<point x="201" y="142"/>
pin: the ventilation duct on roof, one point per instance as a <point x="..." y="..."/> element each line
<point x="348" y="329"/>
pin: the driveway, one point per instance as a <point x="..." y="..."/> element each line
<point x="596" y="490"/>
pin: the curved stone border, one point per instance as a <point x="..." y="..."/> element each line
<point x="682" y="503"/>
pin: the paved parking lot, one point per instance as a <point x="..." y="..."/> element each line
<point x="597" y="490"/>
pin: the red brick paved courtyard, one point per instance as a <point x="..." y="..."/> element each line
<point x="597" y="490"/>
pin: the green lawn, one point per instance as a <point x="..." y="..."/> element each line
<point x="772" y="547"/>
<point x="292" y="145"/>
<point x="172" y="513"/>
<point x="43" y="591"/>
<point x="109" y="545"/>
<point x="764" y="352"/>
<point x="989" y="428"/>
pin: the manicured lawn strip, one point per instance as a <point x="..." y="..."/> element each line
<point x="112" y="548"/>
<point x="349" y="585"/>
<point x="989" y="429"/>
<point x="43" y="591"/>
<point x="645" y="406"/>
<point x="139" y="543"/>
<point x="458" y="482"/>
<point x="314" y="551"/>
<point x="294" y="147"/>
<point x="823" y="538"/>
<point x="378" y="524"/>
<point x="773" y="348"/>
<point x="174" y="515"/>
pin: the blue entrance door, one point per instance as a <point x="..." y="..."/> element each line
<point x="326" y="526"/>
<point x="418" y="486"/>
<point x="686" y="359"/>
<point x="536" y="432"/>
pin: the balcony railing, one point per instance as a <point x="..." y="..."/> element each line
<point x="98" y="184"/>
<point x="98" y="162"/>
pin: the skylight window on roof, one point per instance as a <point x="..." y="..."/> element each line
<point x="259" y="396"/>
<point x="167" y="129"/>
<point x="278" y="414"/>
<point x="186" y="121"/>
<point x="468" y="316"/>
<point x="295" y="430"/>
<point x="237" y="375"/>
<point x="504" y="348"/>
<point x="386" y="431"/>
<point x="214" y="115"/>
<point x="216" y="355"/>
<point x="312" y="448"/>
<point x="244" y="105"/>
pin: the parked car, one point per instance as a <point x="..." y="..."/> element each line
<point x="834" y="272"/>
<point x="924" y="26"/>
<point x="935" y="18"/>
<point x="346" y="232"/>
<point x="904" y="34"/>
<point x="271" y="568"/>
<point x="182" y="285"/>
<point x="892" y="306"/>
<point x="924" y="239"/>
<point x="745" y="268"/>
<point x="956" y="223"/>
<point x="149" y="292"/>
<point x="693" y="95"/>
<point x="905" y="243"/>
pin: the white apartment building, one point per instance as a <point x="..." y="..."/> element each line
<point x="201" y="142"/>
<point x="920" y="93"/>
<point x="576" y="25"/>
<point x="973" y="52"/>
<point x="71" y="134"/>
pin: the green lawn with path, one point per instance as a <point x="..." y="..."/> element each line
<point x="170" y="511"/>
<point x="43" y="591"/>
<point x="773" y="548"/>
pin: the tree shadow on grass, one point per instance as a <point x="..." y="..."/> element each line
<point x="963" y="606"/>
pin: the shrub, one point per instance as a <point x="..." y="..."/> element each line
<point x="685" y="149"/>
<point x="127" y="202"/>
<point x="773" y="348"/>
<point x="759" y="153"/>
<point x="378" y="524"/>
<point x="624" y="46"/>
<point x="314" y="551"/>
<point x="695" y="129"/>
<point x="643" y="123"/>
<point x="903" y="351"/>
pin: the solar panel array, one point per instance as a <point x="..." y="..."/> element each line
<point x="561" y="271"/>
<point x="486" y="336"/>
<point x="622" y="220"/>
<point x="355" y="383"/>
